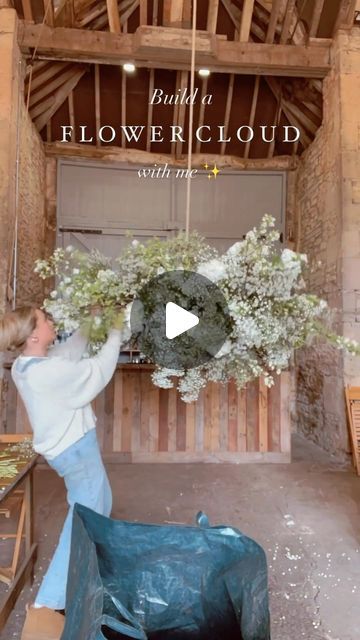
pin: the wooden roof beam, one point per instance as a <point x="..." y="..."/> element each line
<point x="27" y="9"/>
<point x="315" y="18"/>
<point x="65" y="14"/>
<point x="135" y="156"/>
<point x="212" y="16"/>
<point x="49" y="13"/>
<point x="289" y="17"/>
<point x="252" y="113"/>
<point x="172" y="13"/>
<point x="202" y="111"/>
<point x="143" y="12"/>
<point x="274" y="16"/>
<point x="167" y="48"/>
<point x="228" y="111"/>
<point x="246" y="17"/>
<point x="58" y="99"/>
<point x="176" y="13"/>
<point x="113" y="16"/>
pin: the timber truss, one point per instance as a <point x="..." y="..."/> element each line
<point x="267" y="60"/>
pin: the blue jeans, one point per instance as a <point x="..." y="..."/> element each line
<point x="86" y="482"/>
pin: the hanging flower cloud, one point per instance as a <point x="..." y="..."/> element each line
<point x="271" y="314"/>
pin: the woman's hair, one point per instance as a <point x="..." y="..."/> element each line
<point x="16" y="327"/>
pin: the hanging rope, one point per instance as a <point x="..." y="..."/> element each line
<point x="191" y="121"/>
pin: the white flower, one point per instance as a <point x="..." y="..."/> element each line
<point x="287" y="255"/>
<point x="234" y="249"/>
<point x="76" y="271"/>
<point x="135" y="243"/>
<point x="213" y="269"/>
<point x="225" y="349"/>
<point x="53" y="293"/>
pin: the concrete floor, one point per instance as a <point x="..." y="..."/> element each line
<point x="305" y="515"/>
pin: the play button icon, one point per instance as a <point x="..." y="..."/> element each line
<point x="180" y="320"/>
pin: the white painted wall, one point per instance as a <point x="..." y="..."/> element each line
<point x="98" y="203"/>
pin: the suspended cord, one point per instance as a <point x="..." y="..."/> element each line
<point x="191" y="121"/>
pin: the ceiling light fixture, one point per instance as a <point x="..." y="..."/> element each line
<point x="204" y="73"/>
<point x="129" y="67"/>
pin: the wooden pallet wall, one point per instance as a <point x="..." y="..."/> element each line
<point x="138" y="422"/>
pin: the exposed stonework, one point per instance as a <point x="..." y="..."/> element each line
<point x="31" y="211"/>
<point x="22" y="181"/>
<point x="328" y="230"/>
<point x="22" y="175"/>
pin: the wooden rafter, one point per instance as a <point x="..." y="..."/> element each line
<point x="231" y="9"/>
<point x="89" y="16"/>
<point x="143" y="12"/>
<point x="252" y="113"/>
<point x="212" y="16"/>
<point x="97" y="103"/>
<point x="65" y="14"/>
<point x="113" y="16"/>
<point x="202" y="111"/>
<point x="42" y="78"/>
<point x="315" y="18"/>
<point x="289" y="17"/>
<point x="177" y="13"/>
<point x="58" y="99"/>
<point x="123" y="107"/>
<point x="155" y="13"/>
<point x="150" y="109"/>
<point x="50" y="87"/>
<point x="274" y="16"/>
<point x="71" y="110"/>
<point x="97" y="17"/>
<point x="271" y="147"/>
<point x="246" y="17"/>
<point x="275" y="88"/>
<point x="49" y="13"/>
<point x="183" y="84"/>
<point x="135" y="156"/>
<point x="227" y="111"/>
<point x="304" y="120"/>
<point x="187" y="14"/>
<point x="155" y="47"/>
<point x="27" y="9"/>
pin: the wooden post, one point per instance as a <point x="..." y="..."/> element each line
<point x="113" y="14"/>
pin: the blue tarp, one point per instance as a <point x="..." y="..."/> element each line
<point x="164" y="582"/>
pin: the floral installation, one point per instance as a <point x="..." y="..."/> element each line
<point x="270" y="312"/>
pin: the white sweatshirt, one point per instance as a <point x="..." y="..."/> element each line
<point x="57" y="390"/>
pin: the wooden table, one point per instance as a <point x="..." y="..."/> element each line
<point x="22" y="487"/>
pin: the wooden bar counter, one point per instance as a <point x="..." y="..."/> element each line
<point x="138" y="422"/>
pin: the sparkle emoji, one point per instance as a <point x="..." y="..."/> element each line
<point x="213" y="172"/>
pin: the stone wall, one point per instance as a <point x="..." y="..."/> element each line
<point x="22" y="182"/>
<point x="328" y="230"/>
<point x="31" y="211"/>
<point x="22" y="175"/>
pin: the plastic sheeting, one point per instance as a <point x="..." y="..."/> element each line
<point x="164" y="582"/>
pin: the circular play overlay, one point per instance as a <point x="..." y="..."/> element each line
<point x="180" y="319"/>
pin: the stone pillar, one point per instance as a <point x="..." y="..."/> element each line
<point x="347" y="64"/>
<point x="328" y="213"/>
<point x="10" y="83"/>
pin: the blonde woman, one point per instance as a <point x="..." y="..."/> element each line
<point x="57" y="386"/>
